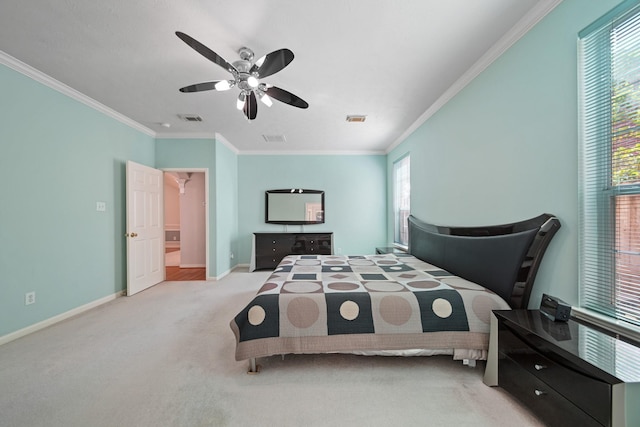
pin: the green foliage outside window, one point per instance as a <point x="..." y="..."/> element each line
<point x="625" y="159"/>
<point x="626" y="165"/>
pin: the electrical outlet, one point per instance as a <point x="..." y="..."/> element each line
<point x="29" y="298"/>
<point x="231" y="255"/>
<point x="339" y="251"/>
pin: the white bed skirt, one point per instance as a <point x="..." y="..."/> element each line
<point x="458" y="354"/>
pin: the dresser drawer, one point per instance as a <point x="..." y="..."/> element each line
<point x="549" y="405"/>
<point x="269" y="261"/>
<point x="590" y="394"/>
<point x="267" y="242"/>
<point x="269" y="248"/>
<point x="324" y="245"/>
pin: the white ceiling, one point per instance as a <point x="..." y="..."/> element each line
<point x="394" y="61"/>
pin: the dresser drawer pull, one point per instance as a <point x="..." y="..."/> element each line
<point x="539" y="367"/>
<point x="540" y="392"/>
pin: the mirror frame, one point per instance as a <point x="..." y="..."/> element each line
<point x="293" y="191"/>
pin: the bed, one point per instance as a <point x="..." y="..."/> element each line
<point x="435" y="299"/>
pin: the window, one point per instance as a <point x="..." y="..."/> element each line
<point x="401" y="199"/>
<point x="610" y="165"/>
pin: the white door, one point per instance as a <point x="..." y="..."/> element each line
<point x="145" y="227"/>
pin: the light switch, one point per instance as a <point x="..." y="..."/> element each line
<point x="101" y="206"/>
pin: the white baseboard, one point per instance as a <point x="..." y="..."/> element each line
<point x="193" y="265"/>
<point x="55" y="319"/>
<point x="226" y="272"/>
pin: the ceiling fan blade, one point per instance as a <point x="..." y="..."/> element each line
<point x="286" y="97"/>
<point x="272" y="62"/>
<point x="205" y="51"/>
<point x="250" y="106"/>
<point x="214" y="85"/>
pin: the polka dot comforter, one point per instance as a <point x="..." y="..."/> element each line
<point x="333" y="303"/>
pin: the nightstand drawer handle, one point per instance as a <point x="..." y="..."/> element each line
<point x="539" y="367"/>
<point x="539" y="392"/>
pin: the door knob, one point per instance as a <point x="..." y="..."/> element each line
<point x="131" y="235"/>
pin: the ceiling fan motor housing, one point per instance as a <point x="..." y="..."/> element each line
<point x="243" y="66"/>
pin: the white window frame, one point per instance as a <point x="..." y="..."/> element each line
<point x="401" y="200"/>
<point x="599" y="193"/>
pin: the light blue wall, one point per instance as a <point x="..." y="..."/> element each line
<point x="226" y="209"/>
<point x="505" y="148"/>
<point x="355" y="197"/>
<point x="59" y="157"/>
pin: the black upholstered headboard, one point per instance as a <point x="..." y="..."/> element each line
<point x="503" y="258"/>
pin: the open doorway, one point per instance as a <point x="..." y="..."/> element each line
<point x="185" y="213"/>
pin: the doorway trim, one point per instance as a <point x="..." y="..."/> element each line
<point x="206" y="201"/>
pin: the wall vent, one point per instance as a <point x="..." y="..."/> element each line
<point x="190" y="117"/>
<point x="274" y="138"/>
<point x="356" y="118"/>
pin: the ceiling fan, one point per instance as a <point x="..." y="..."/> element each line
<point x="246" y="75"/>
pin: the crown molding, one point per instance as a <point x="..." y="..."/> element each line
<point x="223" y="140"/>
<point x="39" y="76"/>
<point x="311" y="153"/>
<point x="186" y="135"/>
<point x="215" y="136"/>
<point x="522" y="27"/>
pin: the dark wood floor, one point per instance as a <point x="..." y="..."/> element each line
<point x="184" y="274"/>
<point x="178" y="274"/>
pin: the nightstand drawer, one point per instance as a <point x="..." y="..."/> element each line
<point x="590" y="394"/>
<point x="540" y="398"/>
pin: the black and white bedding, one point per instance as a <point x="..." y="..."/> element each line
<point x="331" y="303"/>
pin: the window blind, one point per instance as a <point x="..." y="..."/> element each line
<point x="401" y="199"/>
<point x="610" y="164"/>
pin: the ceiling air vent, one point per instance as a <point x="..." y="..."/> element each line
<point x="356" y="119"/>
<point x="274" y="138"/>
<point x="190" y="117"/>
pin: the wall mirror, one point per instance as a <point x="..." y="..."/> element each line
<point x="294" y="206"/>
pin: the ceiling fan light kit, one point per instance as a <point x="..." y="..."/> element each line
<point x="222" y="85"/>
<point x="247" y="77"/>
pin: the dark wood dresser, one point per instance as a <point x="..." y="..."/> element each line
<point x="566" y="373"/>
<point x="268" y="249"/>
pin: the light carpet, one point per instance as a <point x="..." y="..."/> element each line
<point x="165" y="357"/>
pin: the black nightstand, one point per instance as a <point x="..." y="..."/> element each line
<point x="389" y="250"/>
<point x="567" y="373"/>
